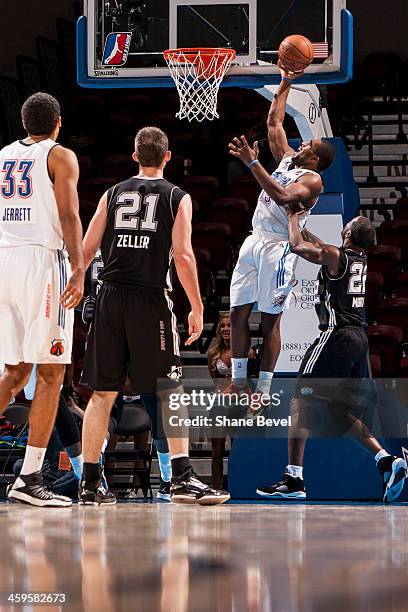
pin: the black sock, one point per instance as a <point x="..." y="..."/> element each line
<point x="91" y="472"/>
<point x="180" y="467"/>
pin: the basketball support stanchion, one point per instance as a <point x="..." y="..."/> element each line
<point x="304" y="105"/>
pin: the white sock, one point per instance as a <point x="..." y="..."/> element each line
<point x="381" y="454"/>
<point x="295" y="470"/>
<point x="179" y="455"/>
<point x="33" y="460"/>
<point x="264" y="382"/>
<point x="239" y="368"/>
<point x="77" y="465"/>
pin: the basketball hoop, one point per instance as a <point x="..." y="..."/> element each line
<point x="198" y="74"/>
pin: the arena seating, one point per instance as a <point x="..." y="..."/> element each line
<point x="386" y="260"/>
<point x="401" y="209"/>
<point x="395" y="233"/>
<point x="385" y="345"/>
<point x="394" y="311"/>
<point x="401" y="289"/>
<point x="374" y="294"/>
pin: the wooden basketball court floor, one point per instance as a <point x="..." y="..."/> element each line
<point x="256" y="557"/>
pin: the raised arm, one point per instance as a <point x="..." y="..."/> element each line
<point x="186" y="267"/>
<point x="64" y="173"/>
<point x="321" y="254"/>
<point x="278" y="140"/>
<point x="304" y="191"/>
<point x="96" y="230"/>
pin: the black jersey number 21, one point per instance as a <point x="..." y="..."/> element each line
<point x="128" y="212"/>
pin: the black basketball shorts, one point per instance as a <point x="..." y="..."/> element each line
<point x="335" y="370"/>
<point x="133" y="332"/>
<point x="337" y="353"/>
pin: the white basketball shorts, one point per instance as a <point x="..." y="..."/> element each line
<point x="35" y="328"/>
<point x="264" y="273"/>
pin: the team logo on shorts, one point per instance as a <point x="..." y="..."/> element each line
<point x="57" y="348"/>
<point x="280" y="300"/>
<point x="176" y="373"/>
<point x="116" y="50"/>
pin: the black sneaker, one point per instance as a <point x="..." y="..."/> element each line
<point x="192" y="490"/>
<point x="287" y="488"/>
<point x="30" y="489"/>
<point x="95" y="494"/>
<point x="164" y="490"/>
<point x="393" y="471"/>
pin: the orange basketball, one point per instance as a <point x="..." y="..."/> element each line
<point x="296" y="53"/>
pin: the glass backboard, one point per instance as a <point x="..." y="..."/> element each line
<point x="121" y="43"/>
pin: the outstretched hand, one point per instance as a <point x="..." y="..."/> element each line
<point x="288" y="74"/>
<point x="240" y="148"/>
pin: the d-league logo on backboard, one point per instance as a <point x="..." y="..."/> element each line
<point x="116" y="50"/>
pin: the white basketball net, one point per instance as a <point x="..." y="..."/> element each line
<point x="198" y="74"/>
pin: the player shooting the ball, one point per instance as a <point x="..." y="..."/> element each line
<point x="264" y="272"/>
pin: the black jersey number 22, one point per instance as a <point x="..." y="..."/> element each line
<point x="128" y="212"/>
<point x="358" y="277"/>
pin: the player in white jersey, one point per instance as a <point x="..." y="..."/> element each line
<point x="39" y="228"/>
<point x="264" y="273"/>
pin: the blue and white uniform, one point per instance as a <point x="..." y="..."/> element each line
<point x="33" y="262"/>
<point x="264" y="272"/>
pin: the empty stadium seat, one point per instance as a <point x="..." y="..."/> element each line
<point x="386" y="260"/>
<point x="93" y="189"/>
<point x="119" y="166"/>
<point x="216" y="238"/>
<point x="395" y="233"/>
<point x="375" y="365"/>
<point x="404" y="368"/>
<point x="181" y="305"/>
<point x="385" y="343"/>
<point x="400" y="210"/>
<point x="85" y="167"/>
<point x="246" y="187"/>
<point x="374" y="294"/>
<point x="238" y="221"/>
<point x="164" y="121"/>
<point x="174" y="170"/>
<point x="394" y="311"/>
<point x="239" y="203"/>
<point x="401" y="290"/>
<point x="136" y="106"/>
<point x="202" y="188"/>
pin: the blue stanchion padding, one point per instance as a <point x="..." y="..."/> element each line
<point x="335" y="469"/>
<point x="329" y="204"/>
<point x="339" y="179"/>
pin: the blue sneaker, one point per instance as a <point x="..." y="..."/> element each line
<point x="164" y="491"/>
<point x="393" y="471"/>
